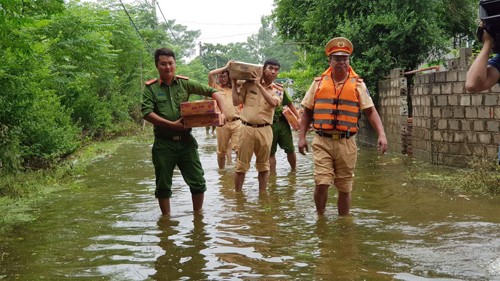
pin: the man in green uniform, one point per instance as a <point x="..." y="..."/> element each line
<point x="174" y="145"/>
<point x="282" y="134"/>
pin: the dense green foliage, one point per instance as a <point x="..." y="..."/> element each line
<point x="74" y="71"/>
<point x="71" y="72"/>
<point x="386" y="34"/>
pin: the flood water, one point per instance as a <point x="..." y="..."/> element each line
<point x="400" y="228"/>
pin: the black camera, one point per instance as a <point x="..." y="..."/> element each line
<point x="489" y="14"/>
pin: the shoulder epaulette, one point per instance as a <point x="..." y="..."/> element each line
<point x="318" y="78"/>
<point x="182" y="77"/>
<point x="152" y="81"/>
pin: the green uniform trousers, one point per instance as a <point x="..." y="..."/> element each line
<point x="181" y="153"/>
<point x="282" y="135"/>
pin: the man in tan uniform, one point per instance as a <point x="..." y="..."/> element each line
<point x="259" y="98"/>
<point x="333" y="104"/>
<point x="227" y="135"/>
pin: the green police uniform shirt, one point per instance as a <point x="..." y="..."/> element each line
<point x="166" y="100"/>
<point x="279" y="109"/>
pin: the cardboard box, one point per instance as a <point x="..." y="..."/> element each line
<point x="291" y="118"/>
<point x="199" y="107"/>
<point x="244" y="71"/>
<point x="202" y="120"/>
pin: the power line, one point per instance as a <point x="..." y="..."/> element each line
<point x="216" y="23"/>
<point x="171" y="32"/>
<point x="135" y="26"/>
<point x="234" y="35"/>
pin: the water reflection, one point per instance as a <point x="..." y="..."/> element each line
<point x="339" y="254"/>
<point x="183" y="258"/>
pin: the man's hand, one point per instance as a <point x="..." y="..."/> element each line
<point x="223" y="119"/>
<point x="255" y="77"/>
<point x="382" y="144"/>
<point x="178" y="125"/>
<point x="303" y="148"/>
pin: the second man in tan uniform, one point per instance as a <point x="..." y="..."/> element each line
<point x="227" y="135"/>
<point x="259" y="99"/>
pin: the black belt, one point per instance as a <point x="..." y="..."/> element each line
<point x="254" y="125"/>
<point x="232" y="120"/>
<point x="335" y="136"/>
<point x="175" y="138"/>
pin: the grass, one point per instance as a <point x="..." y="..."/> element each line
<point x="483" y="177"/>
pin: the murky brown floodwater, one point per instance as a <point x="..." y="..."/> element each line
<point x="400" y="229"/>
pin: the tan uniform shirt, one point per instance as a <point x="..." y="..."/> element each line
<point x="255" y="108"/>
<point x="232" y="112"/>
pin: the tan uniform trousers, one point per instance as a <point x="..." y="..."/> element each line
<point x="334" y="162"/>
<point x="254" y="140"/>
<point x="226" y="133"/>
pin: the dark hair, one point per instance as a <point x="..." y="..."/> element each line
<point x="163" y="52"/>
<point x="271" y="61"/>
<point x="229" y="83"/>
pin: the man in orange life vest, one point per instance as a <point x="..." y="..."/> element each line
<point x="333" y="104"/>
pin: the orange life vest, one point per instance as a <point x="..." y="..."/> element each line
<point x="336" y="109"/>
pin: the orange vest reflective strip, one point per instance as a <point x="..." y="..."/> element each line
<point x="336" y="109"/>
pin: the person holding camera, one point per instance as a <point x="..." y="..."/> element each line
<point x="484" y="72"/>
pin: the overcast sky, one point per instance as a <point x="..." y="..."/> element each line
<point x="220" y="21"/>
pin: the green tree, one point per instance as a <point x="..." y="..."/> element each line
<point x="458" y="20"/>
<point x="268" y="44"/>
<point x="386" y="34"/>
<point x="75" y="70"/>
<point x="35" y="128"/>
<point x="265" y="44"/>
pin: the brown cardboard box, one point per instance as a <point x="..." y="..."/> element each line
<point x="202" y="120"/>
<point x="291" y="118"/>
<point x="244" y="71"/>
<point x="199" y="107"/>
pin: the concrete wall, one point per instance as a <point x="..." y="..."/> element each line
<point x="444" y="124"/>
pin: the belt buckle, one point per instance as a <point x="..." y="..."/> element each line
<point x="254" y="125"/>
<point x="176" y="138"/>
<point x="336" y="136"/>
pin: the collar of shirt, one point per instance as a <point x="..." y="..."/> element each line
<point x="174" y="80"/>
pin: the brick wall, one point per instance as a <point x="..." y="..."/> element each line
<point x="446" y="125"/>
